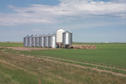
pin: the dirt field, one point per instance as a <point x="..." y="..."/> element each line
<point x="28" y="49"/>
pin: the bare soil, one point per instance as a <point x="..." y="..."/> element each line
<point x="28" y="48"/>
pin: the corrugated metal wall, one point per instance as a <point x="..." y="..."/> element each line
<point x="67" y="39"/>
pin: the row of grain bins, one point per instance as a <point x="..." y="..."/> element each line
<point x="61" y="39"/>
<point x="47" y="41"/>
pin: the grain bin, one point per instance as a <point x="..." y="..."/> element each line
<point x="53" y="41"/>
<point x="49" y="41"/>
<point x="59" y="37"/>
<point x="46" y="41"/>
<point x="29" y="42"/>
<point x="25" y="41"/>
<point x="36" y="41"/>
<point x="67" y="39"/>
<point x="40" y="41"/>
<point x="33" y="41"/>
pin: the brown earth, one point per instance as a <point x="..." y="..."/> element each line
<point x="28" y="48"/>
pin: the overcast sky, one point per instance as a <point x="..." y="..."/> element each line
<point x="89" y="20"/>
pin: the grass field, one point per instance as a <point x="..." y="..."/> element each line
<point x="104" y="65"/>
<point x="10" y="44"/>
<point x="107" y="54"/>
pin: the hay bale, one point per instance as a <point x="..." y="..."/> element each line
<point x="84" y="46"/>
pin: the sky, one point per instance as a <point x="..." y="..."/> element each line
<point x="88" y="20"/>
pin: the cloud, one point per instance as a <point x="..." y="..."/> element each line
<point x="119" y="1"/>
<point x="46" y="14"/>
<point x="16" y="19"/>
<point x="90" y="7"/>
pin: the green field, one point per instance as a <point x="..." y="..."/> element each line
<point x="107" y="54"/>
<point x="104" y="65"/>
<point x="10" y="44"/>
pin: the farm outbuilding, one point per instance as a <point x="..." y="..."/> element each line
<point x="61" y="39"/>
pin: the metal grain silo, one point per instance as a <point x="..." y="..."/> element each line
<point x="37" y="41"/>
<point x="59" y="37"/>
<point x="38" y="44"/>
<point x="67" y="39"/>
<point x="53" y="41"/>
<point x="33" y="41"/>
<point x="49" y="41"/>
<point x="25" y="41"/>
<point x="43" y="44"/>
<point x="41" y="41"/>
<point x="30" y="41"/>
<point x="46" y="41"/>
